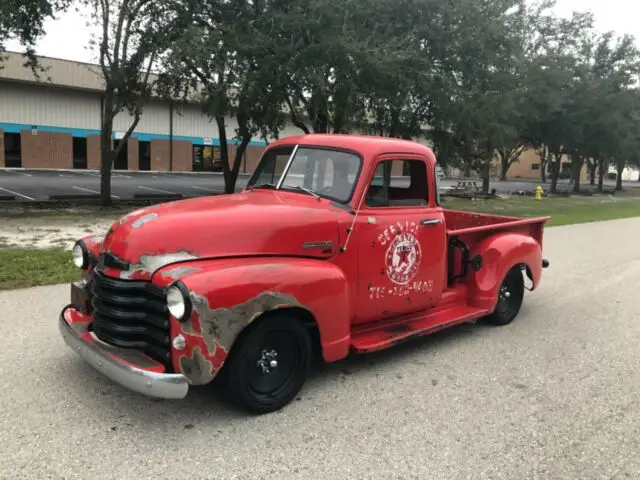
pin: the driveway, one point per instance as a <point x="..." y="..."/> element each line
<point x="555" y="395"/>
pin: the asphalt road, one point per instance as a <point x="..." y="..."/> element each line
<point x="555" y="395"/>
<point x="29" y="185"/>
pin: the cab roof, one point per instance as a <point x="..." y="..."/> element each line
<point x="366" y="145"/>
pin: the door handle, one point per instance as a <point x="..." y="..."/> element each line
<point x="427" y="223"/>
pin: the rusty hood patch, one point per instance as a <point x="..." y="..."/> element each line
<point x="217" y="329"/>
<point x="149" y="264"/>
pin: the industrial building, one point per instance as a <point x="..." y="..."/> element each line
<point x="55" y="121"/>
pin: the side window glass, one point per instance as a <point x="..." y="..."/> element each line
<point x="398" y="183"/>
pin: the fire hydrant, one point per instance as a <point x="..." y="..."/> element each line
<point x="539" y="192"/>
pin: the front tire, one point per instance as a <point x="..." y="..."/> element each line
<point x="510" y="297"/>
<point x="269" y="364"/>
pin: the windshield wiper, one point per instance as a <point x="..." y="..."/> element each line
<point x="304" y="189"/>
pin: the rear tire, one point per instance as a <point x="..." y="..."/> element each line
<point x="510" y="297"/>
<point x="269" y="364"/>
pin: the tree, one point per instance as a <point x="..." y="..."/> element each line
<point x="23" y="20"/>
<point x="552" y="123"/>
<point x="134" y="36"/>
<point x="481" y="107"/>
<point x="228" y="60"/>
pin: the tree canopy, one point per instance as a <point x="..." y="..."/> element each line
<point x="482" y="81"/>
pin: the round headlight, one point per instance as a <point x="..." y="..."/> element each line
<point x="79" y="255"/>
<point x="178" y="301"/>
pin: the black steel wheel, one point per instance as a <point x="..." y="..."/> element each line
<point x="510" y="297"/>
<point x="269" y="364"/>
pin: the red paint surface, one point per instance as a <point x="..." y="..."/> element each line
<point x="251" y="242"/>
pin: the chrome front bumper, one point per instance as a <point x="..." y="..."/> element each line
<point x="152" y="384"/>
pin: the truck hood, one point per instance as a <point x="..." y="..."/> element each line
<point x="261" y="222"/>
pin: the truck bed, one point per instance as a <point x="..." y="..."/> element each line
<point x="467" y="229"/>
<point x="462" y="223"/>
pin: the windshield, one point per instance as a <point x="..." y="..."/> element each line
<point x="315" y="171"/>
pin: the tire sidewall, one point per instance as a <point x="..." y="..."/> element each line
<point x="247" y="343"/>
<point x="515" y="281"/>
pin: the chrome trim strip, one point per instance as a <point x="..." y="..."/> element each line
<point x="160" y="385"/>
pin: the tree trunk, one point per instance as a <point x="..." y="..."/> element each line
<point x="232" y="177"/>
<point x="592" y="172"/>
<point x="555" y="172"/>
<point x="620" y="169"/>
<point x="600" y="175"/>
<point x="106" y="162"/>
<point x="577" y="164"/>
<point x="504" y="164"/>
<point x="485" y="176"/>
<point x="544" y="161"/>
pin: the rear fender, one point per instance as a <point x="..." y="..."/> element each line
<point x="229" y="294"/>
<point x="500" y="253"/>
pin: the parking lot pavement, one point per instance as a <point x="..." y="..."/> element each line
<point x="554" y="395"/>
<point x="28" y="185"/>
<point x="36" y="185"/>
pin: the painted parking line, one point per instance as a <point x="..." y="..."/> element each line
<point x="207" y="189"/>
<point x="157" y="190"/>
<point x="92" y="191"/>
<point x="91" y="174"/>
<point x="16" y="193"/>
<point x="18" y="173"/>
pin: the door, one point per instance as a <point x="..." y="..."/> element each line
<point x="402" y="241"/>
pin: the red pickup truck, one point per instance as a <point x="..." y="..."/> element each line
<point x="338" y="244"/>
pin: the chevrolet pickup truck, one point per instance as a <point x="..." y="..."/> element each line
<point x="338" y="244"/>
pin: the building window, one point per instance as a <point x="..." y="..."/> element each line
<point x="207" y="159"/>
<point x="79" y="152"/>
<point x="535" y="166"/>
<point x="12" y="150"/>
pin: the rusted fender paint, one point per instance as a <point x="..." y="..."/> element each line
<point x="500" y="253"/>
<point x="228" y="295"/>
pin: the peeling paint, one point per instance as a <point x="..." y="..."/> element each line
<point x="128" y="216"/>
<point x="220" y="327"/>
<point x="152" y="263"/>
<point x="178" y="272"/>
<point x="196" y="366"/>
<point x="143" y="219"/>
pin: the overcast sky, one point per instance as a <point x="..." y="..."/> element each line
<point x="68" y="36"/>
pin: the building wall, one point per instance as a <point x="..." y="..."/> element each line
<point x="93" y="152"/>
<point x="154" y="120"/>
<point x="52" y="108"/>
<point x="46" y="149"/>
<point x="528" y="167"/>
<point x="60" y="114"/>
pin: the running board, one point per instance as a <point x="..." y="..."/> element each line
<point x="365" y="340"/>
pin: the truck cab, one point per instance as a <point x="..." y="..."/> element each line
<point x="337" y="244"/>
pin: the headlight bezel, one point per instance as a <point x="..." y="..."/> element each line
<point x="84" y="255"/>
<point x="181" y="289"/>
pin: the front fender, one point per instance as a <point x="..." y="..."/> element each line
<point x="500" y="253"/>
<point x="229" y="294"/>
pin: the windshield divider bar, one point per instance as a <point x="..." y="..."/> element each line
<point x="286" y="168"/>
